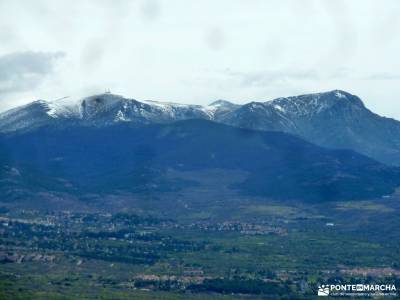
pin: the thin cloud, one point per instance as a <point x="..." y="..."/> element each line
<point x="269" y="76"/>
<point x="150" y="9"/>
<point x="383" y="76"/>
<point x="215" y="38"/>
<point x="178" y="50"/>
<point x="21" y="71"/>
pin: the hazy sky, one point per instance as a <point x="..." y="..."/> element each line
<point x="197" y="51"/>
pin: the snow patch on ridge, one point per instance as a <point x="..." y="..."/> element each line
<point x="64" y="107"/>
<point x="280" y="108"/>
<point x="340" y="95"/>
<point x="121" y="117"/>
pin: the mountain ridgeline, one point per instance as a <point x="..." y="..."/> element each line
<point x="333" y="119"/>
<point x="107" y="144"/>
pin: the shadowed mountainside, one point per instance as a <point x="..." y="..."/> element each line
<point x="135" y="159"/>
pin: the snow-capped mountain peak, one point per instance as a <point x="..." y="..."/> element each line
<point x="311" y="104"/>
<point x="220" y="107"/>
<point x="221" y="103"/>
<point x="65" y="107"/>
<point x="106" y="109"/>
<point x="332" y="119"/>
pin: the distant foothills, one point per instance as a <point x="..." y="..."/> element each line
<point x="316" y="147"/>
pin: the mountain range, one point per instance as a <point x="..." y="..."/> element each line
<point x="334" y="119"/>
<point x="314" y="148"/>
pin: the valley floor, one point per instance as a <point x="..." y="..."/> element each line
<point x="265" y="250"/>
